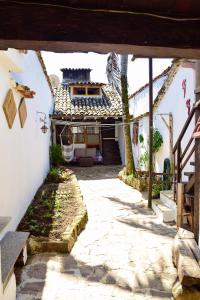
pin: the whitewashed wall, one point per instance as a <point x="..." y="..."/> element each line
<point x="24" y="152"/>
<point x="121" y="143"/>
<point x="175" y="103"/>
<point x="172" y="102"/>
<point x="139" y="149"/>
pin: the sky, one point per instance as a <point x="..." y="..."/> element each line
<point x="137" y="69"/>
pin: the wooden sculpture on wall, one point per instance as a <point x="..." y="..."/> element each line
<point x="25" y="91"/>
<point x="22" y="112"/>
<point x="9" y="108"/>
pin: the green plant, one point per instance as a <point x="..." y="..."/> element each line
<point x="141" y="139"/>
<point x="157" y="140"/>
<point x="58" y="175"/>
<point x="157" y="143"/>
<point x="56" y="155"/>
<point x="129" y="178"/>
<point x="46" y="203"/>
<point x="53" y="175"/>
<point x="57" y="205"/>
<point x="144" y="159"/>
<point x="156" y="189"/>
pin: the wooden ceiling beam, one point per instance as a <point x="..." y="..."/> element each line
<point x="66" y="29"/>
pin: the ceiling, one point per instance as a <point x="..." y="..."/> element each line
<point x="146" y="28"/>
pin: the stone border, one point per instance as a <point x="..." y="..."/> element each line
<point x="139" y="184"/>
<point x="38" y="244"/>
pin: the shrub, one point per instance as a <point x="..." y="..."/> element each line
<point x="57" y="175"/>
<point x="56" y="155"/>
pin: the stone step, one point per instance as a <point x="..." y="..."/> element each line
<point x="188" y="174"/>
<point x="167" y="198"/>
<point x="164" y="213"/>
<point x="4" y="221"/>
<point x="11" y="246"/>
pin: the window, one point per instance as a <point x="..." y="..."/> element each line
<point x="92" y="135"/>
<point x="79" y="91"/>
<point x="93" y="91"/>
<point x="79" y="137"/>
<point x="93" y="130"/>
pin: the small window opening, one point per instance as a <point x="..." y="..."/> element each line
<point x="79" y="91"/>
<point x="93" y="91"/>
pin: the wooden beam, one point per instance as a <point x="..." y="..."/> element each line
<point x="185" y="255"/>
<point x="180" y="202"/>
<point x="150" y="132"/>
<point x="91" y="26"/>
<point x="197" y="161"/>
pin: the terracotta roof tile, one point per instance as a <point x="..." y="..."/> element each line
<point x="109" y="104"/>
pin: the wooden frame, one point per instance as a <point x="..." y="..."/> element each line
<point x="86" y="90"/>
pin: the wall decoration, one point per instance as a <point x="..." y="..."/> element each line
<point x="9" y="108"/>
<point x="135" y="133"/>
<point x="184" y="87"/>
<point x="22" y="112"/>
<point x="25" y="91"/>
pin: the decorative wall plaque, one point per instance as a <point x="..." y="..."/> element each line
<point x="22" y="112"/>
<point x="9" y="108"/>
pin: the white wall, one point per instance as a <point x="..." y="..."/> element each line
<point x="24" y="152"/>
<point x="175" y="103"/>
<point x="121" y="143"/>
<point x="138" y="149"/>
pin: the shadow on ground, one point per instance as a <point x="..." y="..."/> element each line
<point x="41" y="268"/>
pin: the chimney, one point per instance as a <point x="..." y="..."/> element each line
<point x="75" y="75"/>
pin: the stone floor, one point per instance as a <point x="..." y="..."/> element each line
<point x="123" y="254"/>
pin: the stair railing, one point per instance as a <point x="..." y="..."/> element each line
<point x="180" y="157"/>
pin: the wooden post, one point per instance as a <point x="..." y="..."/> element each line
<point x="197" y="160"/>
<point x="150" y="132"/>
<point x="54" y="132"/>
<point x="171" y="141"/>
<point x="180" y="200"/>
<point x="178" y="165"/>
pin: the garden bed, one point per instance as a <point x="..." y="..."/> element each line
<point x="139" y="182"/>
<point x="57" y="214"/>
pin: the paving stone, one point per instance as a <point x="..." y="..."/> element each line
<point x="123" y="254"/>
<point x="37" y="271"/>
<point x="32" y="287"/>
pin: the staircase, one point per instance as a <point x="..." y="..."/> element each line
<point x="12" y="248"/>
<point x="184" y="190"/>
<point x="165" y="207"/>
<point x="110" y="152"/>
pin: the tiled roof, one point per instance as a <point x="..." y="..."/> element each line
<point x="75" y="69"/>
<point x="107" y="105"/>
<point x="86" y="83"/>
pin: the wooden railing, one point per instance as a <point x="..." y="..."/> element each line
<point x="181" y="158"/>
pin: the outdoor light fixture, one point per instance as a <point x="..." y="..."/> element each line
<point x="44" y="127"/>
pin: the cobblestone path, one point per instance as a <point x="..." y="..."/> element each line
<point x="123" y="254"/>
